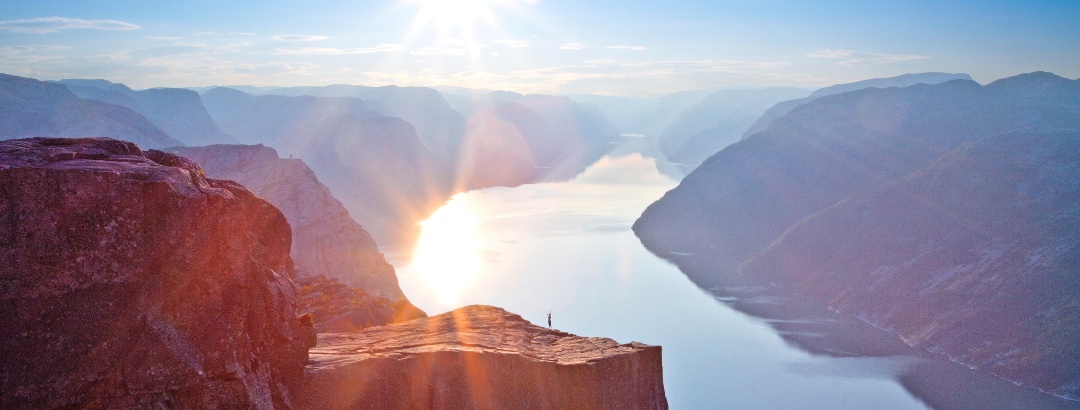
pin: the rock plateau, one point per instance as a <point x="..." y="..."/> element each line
<point x="480" y="357"/>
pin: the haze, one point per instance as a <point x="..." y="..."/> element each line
<point x="538" y="46"/>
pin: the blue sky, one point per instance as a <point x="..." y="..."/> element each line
<point x="545" y="46"/>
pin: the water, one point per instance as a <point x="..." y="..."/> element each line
<point x="568" y="248"/>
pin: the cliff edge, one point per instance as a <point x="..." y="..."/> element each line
<point x="480" y="357"/>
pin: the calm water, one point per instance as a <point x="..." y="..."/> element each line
<point x="568" y="248"/>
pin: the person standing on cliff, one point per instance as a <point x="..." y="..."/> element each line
<point x="549" y="319"/>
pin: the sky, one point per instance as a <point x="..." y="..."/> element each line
<point x="627" y="47"/>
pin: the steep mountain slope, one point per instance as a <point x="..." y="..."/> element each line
<point x="374" y="164"/>
<point x="718" y="121"/>
<point x="906" y="80"/>
<point x="945" y="213"/>
<point x="326" y="240"/>
<point x="975" y="256"/>
<point x="30" y="108"/>
<point x="179" y="112"/>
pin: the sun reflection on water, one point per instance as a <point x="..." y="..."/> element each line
<point x="447" y="252"/>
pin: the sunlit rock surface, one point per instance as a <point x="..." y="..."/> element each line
<point x="944" y="213"/>
<point x="131" y="281"/>
<point x="337" y="307"/>
<point x="480" y="357"/>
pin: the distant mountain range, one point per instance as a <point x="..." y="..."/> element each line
<point x="717" y="121"/>
<point x="32" y="108"/>
<point x="946" y="213"/>
<point x="906" y="80"/>
<point x="177" y="111"/>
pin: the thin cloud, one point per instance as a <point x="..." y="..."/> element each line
<point x="54" y="24"/>
<point x="298" y="37"/>
<point x="512" y="43"/>
<point x="572" y="46"/>
<point x="311" y="51"/>
<point x="163" y="38"/>
<point x="631" y="48"/>
<point x="852" y="57"/>
<point x="31" y="54"/>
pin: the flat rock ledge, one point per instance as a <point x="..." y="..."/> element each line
<point x="480" y="357"/>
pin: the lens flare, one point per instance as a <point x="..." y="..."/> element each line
<point x="447" y="252"/>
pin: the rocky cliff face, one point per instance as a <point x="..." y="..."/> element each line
<point x="326" y="240"/>
<point x="481" y="357"/>
<point x="336" y="307"/>
<point x="32" y="108"/>
<point x="945" y="213"/>
<point x="130" y="280"/>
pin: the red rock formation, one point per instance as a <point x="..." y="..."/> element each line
<point x="480" y="357"/>
<point x="129" y="280"/>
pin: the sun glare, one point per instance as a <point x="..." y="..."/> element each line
<point x="447" y="252"/>
<point x="454" y="18"/>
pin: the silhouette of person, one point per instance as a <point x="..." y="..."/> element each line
<point x="549" y="319"/>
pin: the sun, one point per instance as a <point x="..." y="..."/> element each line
<point x="454" y="18"/>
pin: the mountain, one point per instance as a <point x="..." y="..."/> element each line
<point x="376" y="165"/>
<point x="718" y="121"/>
<point x="905" y="80"/>
<point x="274" y="119"/>
<point x="644" y="115"/>
<point x="179" y="112"/>
<point x="439" y="126"/>
<point x="532" y="138"/>
<point x="944" y="213"/>
<point x="326" y="240"/>
<point x="30" y="108"/>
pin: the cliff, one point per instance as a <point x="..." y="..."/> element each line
<point x="480" y="357"/>
<point x="326" y="240"/>
<point x="130" y="280"/>
<point x="336" y="307"/>
<point x="945" y="213"/>
<point x="32" y="108"/>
